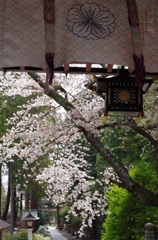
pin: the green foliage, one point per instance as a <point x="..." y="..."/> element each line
<point x="44" y="211"/>
<point x="5" y="235"/>
<point x="89" y="153"/>
<point x="4" y="114"/>
<point x="41" y="214"/>
<point x="90" y="157"/>
<point x="121" y="221"/>
<point x="144" y="172"/>
<point x="22" y="235"/>
<point x="63" y="212"/>
<point x="39" y="237"/>
<point x="43" y="230"/>
<point x="123" y="143"/>
<point x="127" y="215"/>
<point x="33" y="184"/>
<point x="14" y="103"/>
<point x="75" y="223"/>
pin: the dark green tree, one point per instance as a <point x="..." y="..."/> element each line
<point x="127" y="215"/>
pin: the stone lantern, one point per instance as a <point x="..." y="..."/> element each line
<point x="149" y="231"/>
<point x="30" y="215"/>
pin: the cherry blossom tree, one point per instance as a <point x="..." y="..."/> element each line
<point x="90" y="124"/>
<point x="71" y="111"/>
<point x="35" y="133"/>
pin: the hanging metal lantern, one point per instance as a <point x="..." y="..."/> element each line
<point x="122" y="96"/>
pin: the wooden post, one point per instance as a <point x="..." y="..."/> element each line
<point x="34" y="205"/>
<point x="0" y="197"/>
<point x="58" y="220"/>
<point x="12" y="199"/>
<point x="149" y="231"/>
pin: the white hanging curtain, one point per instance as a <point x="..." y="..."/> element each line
<point x="65" y="31"/>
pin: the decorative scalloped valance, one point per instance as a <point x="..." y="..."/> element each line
<point x="35" y="33"/>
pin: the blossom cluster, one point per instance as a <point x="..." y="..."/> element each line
<point x="41" y="127"/>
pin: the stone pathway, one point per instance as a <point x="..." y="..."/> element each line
<point x="60" y="234"/>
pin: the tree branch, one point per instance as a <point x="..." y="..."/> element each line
<point x="145" y="195"/>
<point x="119" y="184"/>
<point x="132" y="124"/>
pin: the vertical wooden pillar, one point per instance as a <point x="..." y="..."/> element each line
<point x="0" y="197"/>
<point x="21" y="198"/>
<point x="34" y="205"/>
<point x="27" y="205"/>
<point x="157" y="160"/>
<point x="58" y="220"/>
<point x="26" y="199"/>
<point x="12" y="199"/>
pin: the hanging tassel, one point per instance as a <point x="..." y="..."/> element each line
<point x="137" y="119"/>
<point x="136" y="42"/>
<point x="49" y="57"/>
<point x="139" y="70"/>
<point x="49" y="28"/>
<point x="105" y="116"/>
<point x="47" y="82"/>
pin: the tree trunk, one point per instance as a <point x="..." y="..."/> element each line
<point x="157" y="161"/>
<point x="146" y="196"/>
<point x="94" y="230"/>
<point x="0" y="191"/>
<point x="34" y="200"/>
<point x="34" y="205"/>
<point x="27" y="195"/>
<point x="5" y="213"/>
<point x="0" y="197"/>
<point x="12" y="199"/>
<point x="15" y="208"/>
<point x="27" y="205"/>
<point x="21" y="197"/>
<point x="58" y="219"/>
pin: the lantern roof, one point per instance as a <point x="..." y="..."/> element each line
<point x="30" y="214"/>
<point x="123" y="77"/>
<point x="4" y="224"/>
